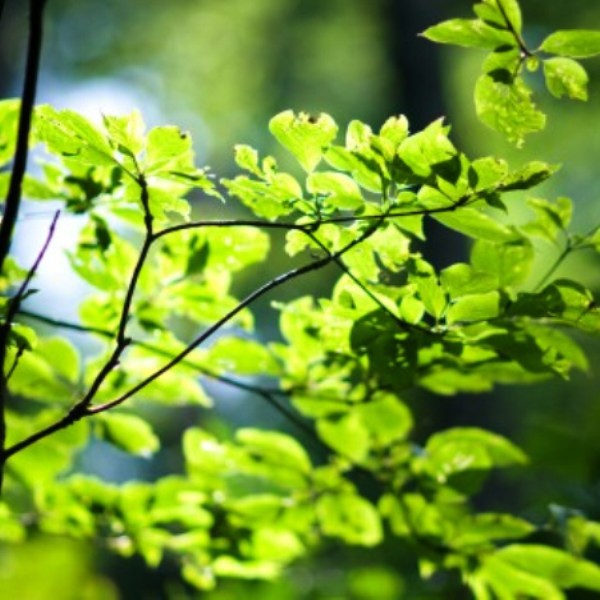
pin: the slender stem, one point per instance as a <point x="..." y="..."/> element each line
<point x="15" y="303"/>
<point x="234" y="223"/>
<point x="82" y="408"/>
<point x="345" y="269"/>
<point x="11" y="312"/>
<point x="312" y="225"/>
<point x="518" y="37"/>
<point x="557" y="262"/>
<point x="263" y="392"/>
<point x="146" y="244"/>
<point x="261" y="291"/>
<point x="66" y="324"/>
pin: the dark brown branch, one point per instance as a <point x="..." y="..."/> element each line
<point x="268" y="394"/>
<point x="234" y="223"/>
<point x="149" y="238"/>
<point x="13" y="196"/>
<point x="82" y="409"/>
<point x="261" y="291"/>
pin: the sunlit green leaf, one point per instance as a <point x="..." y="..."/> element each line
<point x="126" y="133"/>
<point x="129" y="433"/>
<point x="475" y="224"/>
<point x="275" y="448"/>
<point x="349" y="517"/>
<point x="306" y="137"/>
<point x="470" y="33"/>
<point x="468" y="449"/>
<point x="566" y="77"/>
<point x="9" y="115"/>
<point x="506" y="106"/>
<point x="575" y="43"/>
<point x="340" y="191"/>
<point x="511" y="262"/>
<point x="70" y="135"/>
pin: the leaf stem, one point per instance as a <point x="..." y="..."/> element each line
<point x="83" y="409"/>
<point x="525" y="52"/>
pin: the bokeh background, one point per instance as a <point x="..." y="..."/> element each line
<point x="221" y="69"/>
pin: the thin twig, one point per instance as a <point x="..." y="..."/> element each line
<point x="268" y="394"/>
<point x="525" y="52"/>
<point x="9" y="373"/>
<point x="149" y="238"/>
<point x="15" y="302"/>
<point x="83" y="409"/>
<point x="261" y="291"/>
<point x="553" y="267"/>
<point x="345" y="269"/>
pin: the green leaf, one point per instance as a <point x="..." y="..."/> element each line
<point x="41" y="463"/>
<point x="129" y="433"/>
<point x="511" y="262"/>
<point x="228" y="566"/>
<point x="349" y="517"/>
<point x="347" y="435"/>
<point x="463" y="449"/>
<point x="266" y="199"/>
<point x="528" y="176"/>
<point x="385" y="418"/>
<point x="11" y="528"/>
<point x="340" y="191"/>
<point x="489" y="527"/>
<point x="475" y="224"/>
<point x="168" y="149"/>
<point x="566" y="77"/>
<point x="506" y="106"/>
<point x="461" y="279"/>
<point x="40" y="375"/>
<point x="508" y="9"/>
<point x="246" y="158"/>
<point x="395" y="130"/>
<point x="430" y="292"/>
<point x="469" y="33"/>
<point x="552" y="218"/>
<point x="275" y="448"/>
<point x="574" y="43"/>
<point x="276" y="544"/>
<point x="475" y="307"/>
<point x="126" y="133"/>
<point x="9" y="117"/>
<point x="242" y="356"/>
<point x="427" y="149"/>
<point x="488" y="172"/>
<point x="70" y="135"/>
<point x="306" y="137"/>
<point x="526" y="569"/>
